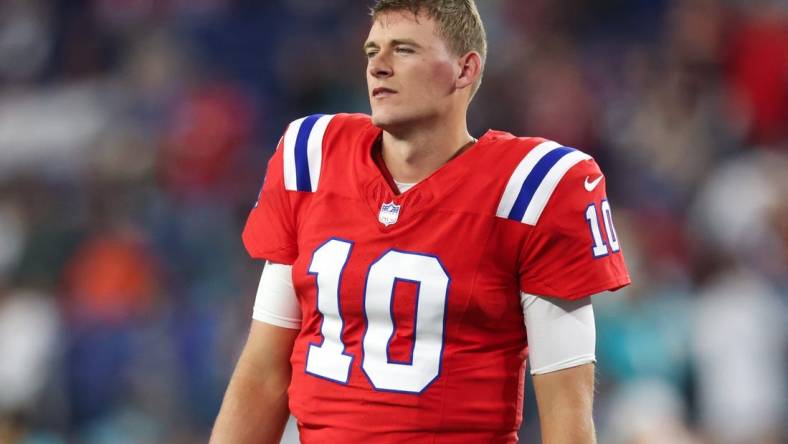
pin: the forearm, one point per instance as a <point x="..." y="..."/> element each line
<point x="565" y="399"/>
<point x="253" y="411"/>
<point x="567" y="426"/>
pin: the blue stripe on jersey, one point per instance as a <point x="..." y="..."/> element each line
<point x="303" y="182"/>
<point x="534" y="179"/>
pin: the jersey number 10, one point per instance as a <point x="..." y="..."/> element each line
<point x="600" y="247"/>
<point x="328" y="359"/>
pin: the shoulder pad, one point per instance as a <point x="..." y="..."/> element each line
<point x="534" y="180"/>
<point x="303" y="152"/>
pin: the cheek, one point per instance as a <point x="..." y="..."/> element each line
<point x="441" y="77"/>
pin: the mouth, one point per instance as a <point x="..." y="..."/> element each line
<point x="382" y="92"/>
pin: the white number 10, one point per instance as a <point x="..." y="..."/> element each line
<point x="600" y="247"/>
<point x="329" y="360"/>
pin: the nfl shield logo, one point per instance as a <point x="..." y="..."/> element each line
<point x="389" y="213"/>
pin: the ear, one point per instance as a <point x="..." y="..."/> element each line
<point x="470" y="69"/>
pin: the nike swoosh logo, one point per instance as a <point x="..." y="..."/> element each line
<point x="591" y="185"/>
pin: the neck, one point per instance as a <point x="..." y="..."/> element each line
<point x="412" y="155"/>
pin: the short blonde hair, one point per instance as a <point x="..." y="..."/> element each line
<point x="459" y="23"/>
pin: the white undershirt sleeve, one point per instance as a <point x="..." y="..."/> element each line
<point x="276" y="302"/>
<point x="561" y="333"/>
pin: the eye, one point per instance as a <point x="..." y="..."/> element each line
<point x="371" y="54"/>
<point x="404" y="50"/>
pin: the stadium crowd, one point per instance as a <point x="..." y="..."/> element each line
<point x="134" y="137"/>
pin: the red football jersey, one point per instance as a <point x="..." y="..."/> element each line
<point x="412" y="329"/>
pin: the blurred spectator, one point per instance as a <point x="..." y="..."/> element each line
<point x="739" y="342"/>
<point x="25" y="40"/>
<point x="757" y="71"/>
<point x="29" y="335"/>
<point x="111" y="286"/>
<point x="13" y="232"/>
<point x="735" y="212"/>
<point x="50" y="128"/>
<point x="739" y="335"/>
<point x="671" y="130"/>
<point x="557" y="102"/>
<point x="647" y="412"/>
<point x="642" y="330"/>
<point x="201" y="151"/>
<point x="111" y="278"/>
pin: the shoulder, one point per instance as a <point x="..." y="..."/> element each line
<point x="514" y="149"/>
<point x="307" y="140"/>
<point x="316" y="126"/>
<point x="532" y="172"/>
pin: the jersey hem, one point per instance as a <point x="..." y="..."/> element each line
<point x="281" y="256"/>
<point x="609" y="285"/>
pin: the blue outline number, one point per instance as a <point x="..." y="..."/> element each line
<point x="599" y="249"/>
<point x="329" y="360"/>
<point x="610" y="229"/>
<point x="428" y="325"/>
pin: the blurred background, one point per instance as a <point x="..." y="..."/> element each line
<point x="134" y="136"/>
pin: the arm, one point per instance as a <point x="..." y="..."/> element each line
<point x="255" y="409"/>
<point x="561" y="342"/>
<point x="565" y="399"/>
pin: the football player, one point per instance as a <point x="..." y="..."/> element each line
<point x="411" y="267"/>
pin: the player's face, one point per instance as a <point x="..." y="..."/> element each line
<point x="410" y="70"/>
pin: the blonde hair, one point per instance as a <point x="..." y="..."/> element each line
<point x="459" y="23"/>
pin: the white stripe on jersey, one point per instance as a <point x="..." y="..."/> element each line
<point x="315" y="149"/>
<point x="534" y="180"/>
<point x="289" y="154"/>
<point x="548" y="185"/>
<point x="520" y="174"/>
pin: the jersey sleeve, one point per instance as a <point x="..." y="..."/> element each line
<point x="573" y="250"/>
<point x="270" y="228"/>
<point x="292" y="179"/>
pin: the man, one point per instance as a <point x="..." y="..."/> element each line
<point x="405" y="256"/>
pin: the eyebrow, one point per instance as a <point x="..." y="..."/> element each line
<point x="395" y="42"/>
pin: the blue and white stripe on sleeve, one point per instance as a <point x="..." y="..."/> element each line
<point x="303" y="152"/>
<point x="534" y="180"/>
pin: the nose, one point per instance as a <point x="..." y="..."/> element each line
<point x="379" y="67"/>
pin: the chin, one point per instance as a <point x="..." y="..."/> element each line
<point x="386" y="119"/>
